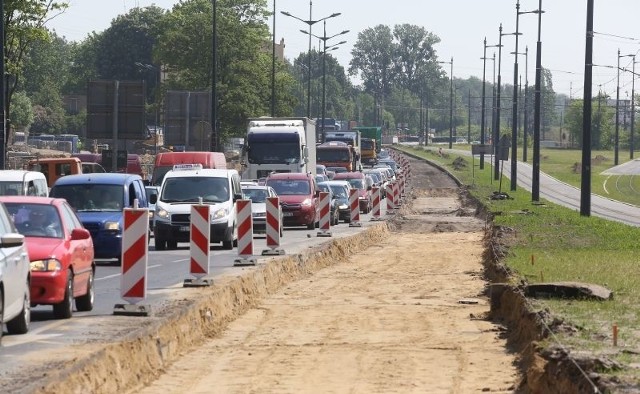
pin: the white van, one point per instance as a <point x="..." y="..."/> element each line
<point x="184" y="186"/>
<point x="23" y="183"/>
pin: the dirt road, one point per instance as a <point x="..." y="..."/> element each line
<point x="405" y="316"/>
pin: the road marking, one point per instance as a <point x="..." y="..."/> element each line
<point x="604" y="184"/>
<point x="33" y="335"/>
<point x="120" y="274"/>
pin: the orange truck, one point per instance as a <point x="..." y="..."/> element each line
<point x="166" y="160"/>
<point x="335" y="154"/>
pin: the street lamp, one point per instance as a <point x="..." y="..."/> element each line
<point x="617" y="135"/>
<point x="482" y="121"/>
<point x="215" y="137"/>
<point x="324" y="40"/>
<point x="526" y="107"/>
<point x="309" y="22"/>
<point x="450" y="102"/>
<point x="150" y="67"/>
<point x="535" y="176"/>
<point x="496" y="133"/>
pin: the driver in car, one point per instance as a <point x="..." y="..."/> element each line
<point x="39" y="223"/>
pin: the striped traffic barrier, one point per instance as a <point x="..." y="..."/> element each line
<point x="354" y="205"/>
<point x="396" y="194"/>
<point x="273" y="227"/>
<point x="245" y="233"/>
<point x="375" y="210"/>
<point x="134" y="260"/>
<point x="389" y="193"/>
<point x="200" y="239"/>
<point x="325" y="215"/>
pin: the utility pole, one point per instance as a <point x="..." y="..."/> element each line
<point x="585" y="189"/>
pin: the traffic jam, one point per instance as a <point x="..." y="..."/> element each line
<point x="103" y="244"/>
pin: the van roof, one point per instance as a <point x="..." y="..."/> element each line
<point x="205" y="172"/>
<point x="54" y="160"/>
<point x="288" y="175"/>
<point x="114" y="178"/>
<point x="13" y="175"/>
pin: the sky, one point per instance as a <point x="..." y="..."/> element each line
<point x="461" y="25"/>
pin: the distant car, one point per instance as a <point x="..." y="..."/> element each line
<point x="90" y="168"/>
<point x="15" y="277"/>
<point x="334" y="210"/>
<point x="340" y="191"/>
<point x="321" y="178"/>
<point x="60" y="251"/>
<point x="150" y="191"/>
<point x="258" y="196"/>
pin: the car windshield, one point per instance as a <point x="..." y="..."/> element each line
<point x="255" y="195"/>
<point x="191" y="189"/>
<point x="289" y="186"/>
<point x="36" y="220"/>
<point x="91" y="196"/>
<point x="340" y="191"/>
<point x="356" y="183"/>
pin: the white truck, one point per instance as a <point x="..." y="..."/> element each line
<point x="279" y="145"/>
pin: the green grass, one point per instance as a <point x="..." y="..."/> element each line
<point x="565" y="246"/>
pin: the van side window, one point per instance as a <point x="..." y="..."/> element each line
<point x="63" y="169"/>
<point x="31" y="189"/>
<point x="42" y="189"/>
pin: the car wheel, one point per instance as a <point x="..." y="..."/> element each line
<point x="84" y="303"/>
<point x="161" y="244"/>
<point x="64" y="309"/>
<point x="20" y="324"/>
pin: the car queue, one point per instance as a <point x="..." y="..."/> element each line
<point x="57" y="238"/>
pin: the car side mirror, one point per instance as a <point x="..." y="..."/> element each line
<point x="153" y="199"/>
<point x="237" y="196"/>
<point x="78" y="234"/>
<point x="368" y="187"/>
<point x="317" y="193"/>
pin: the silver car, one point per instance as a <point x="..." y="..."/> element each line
<point x="258" y="196"/>
<point x="15" y="301"/>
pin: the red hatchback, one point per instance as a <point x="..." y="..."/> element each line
<point x="60" y="251"/>
<point x="298" y="197"/>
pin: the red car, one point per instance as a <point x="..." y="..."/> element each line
<point x="298" y="197"/>
<point x="363" y="183"/>
<point x="60" y="251"/>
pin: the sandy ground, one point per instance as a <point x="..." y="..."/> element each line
<point x="405" y="316"/>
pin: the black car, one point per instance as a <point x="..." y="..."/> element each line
<point x="340" y="191"/>
<point x="334" y="206"/>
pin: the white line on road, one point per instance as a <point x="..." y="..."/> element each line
<point x="115" y="275"/>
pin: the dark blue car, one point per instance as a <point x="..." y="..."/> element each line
<point x="99" y="200"/>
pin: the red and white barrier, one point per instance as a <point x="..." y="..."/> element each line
<point x="200" y="239"/>
<point x="245" y="233"/>
<point x="325" y="215"/>
<point x="134" y="261"/>
<point x="396" y="194"/>
<point x="273" y="227"/>
<point x="375" y="210"/>
<point x="389" y="193"/>
<point x="354" y="205"/>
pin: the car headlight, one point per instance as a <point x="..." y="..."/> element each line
<point x="259" y="214"/>
<point x="220" y="213"/>
<point x="162" y="213"/>
<point x="343" y="206"/>
<point x="307" y="202"/>
<point x="45" y="265"/>
<point x="150" y="214"/>
<point x="112" y="226"/>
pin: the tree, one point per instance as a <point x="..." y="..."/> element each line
<point x="601" y="123"/>
<point x="24" y="23"/>
<point x="21" y="114"/>
<point x="244" y="67"/>
<point x="372" y="61"/>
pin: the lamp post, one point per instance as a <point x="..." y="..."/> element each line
<point x="324" y="40"/>
<point x="215" y="138"/>
<point x="150" y="67"/>
<point x="482" y="115"/>
<point x="535" y="176"/>
<point x="273" y="64"/>
<point x="450" y="102"/>
<point x="617" y="135"/>
<point x="309" y="22"/>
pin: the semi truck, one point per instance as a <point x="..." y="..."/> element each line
<point x="279" y="145"/>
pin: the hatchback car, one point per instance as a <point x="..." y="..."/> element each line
<point x="363" y="183"/>
<point x="15" y="277"/>
<point x="340" y="190"/>
<point x="298" y="197"/>
<point x="60" y="253"/>
<point x="258" y="196"/>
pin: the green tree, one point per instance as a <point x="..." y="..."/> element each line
<point x="21" y="115"/>
<point x="602" y="120"/>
